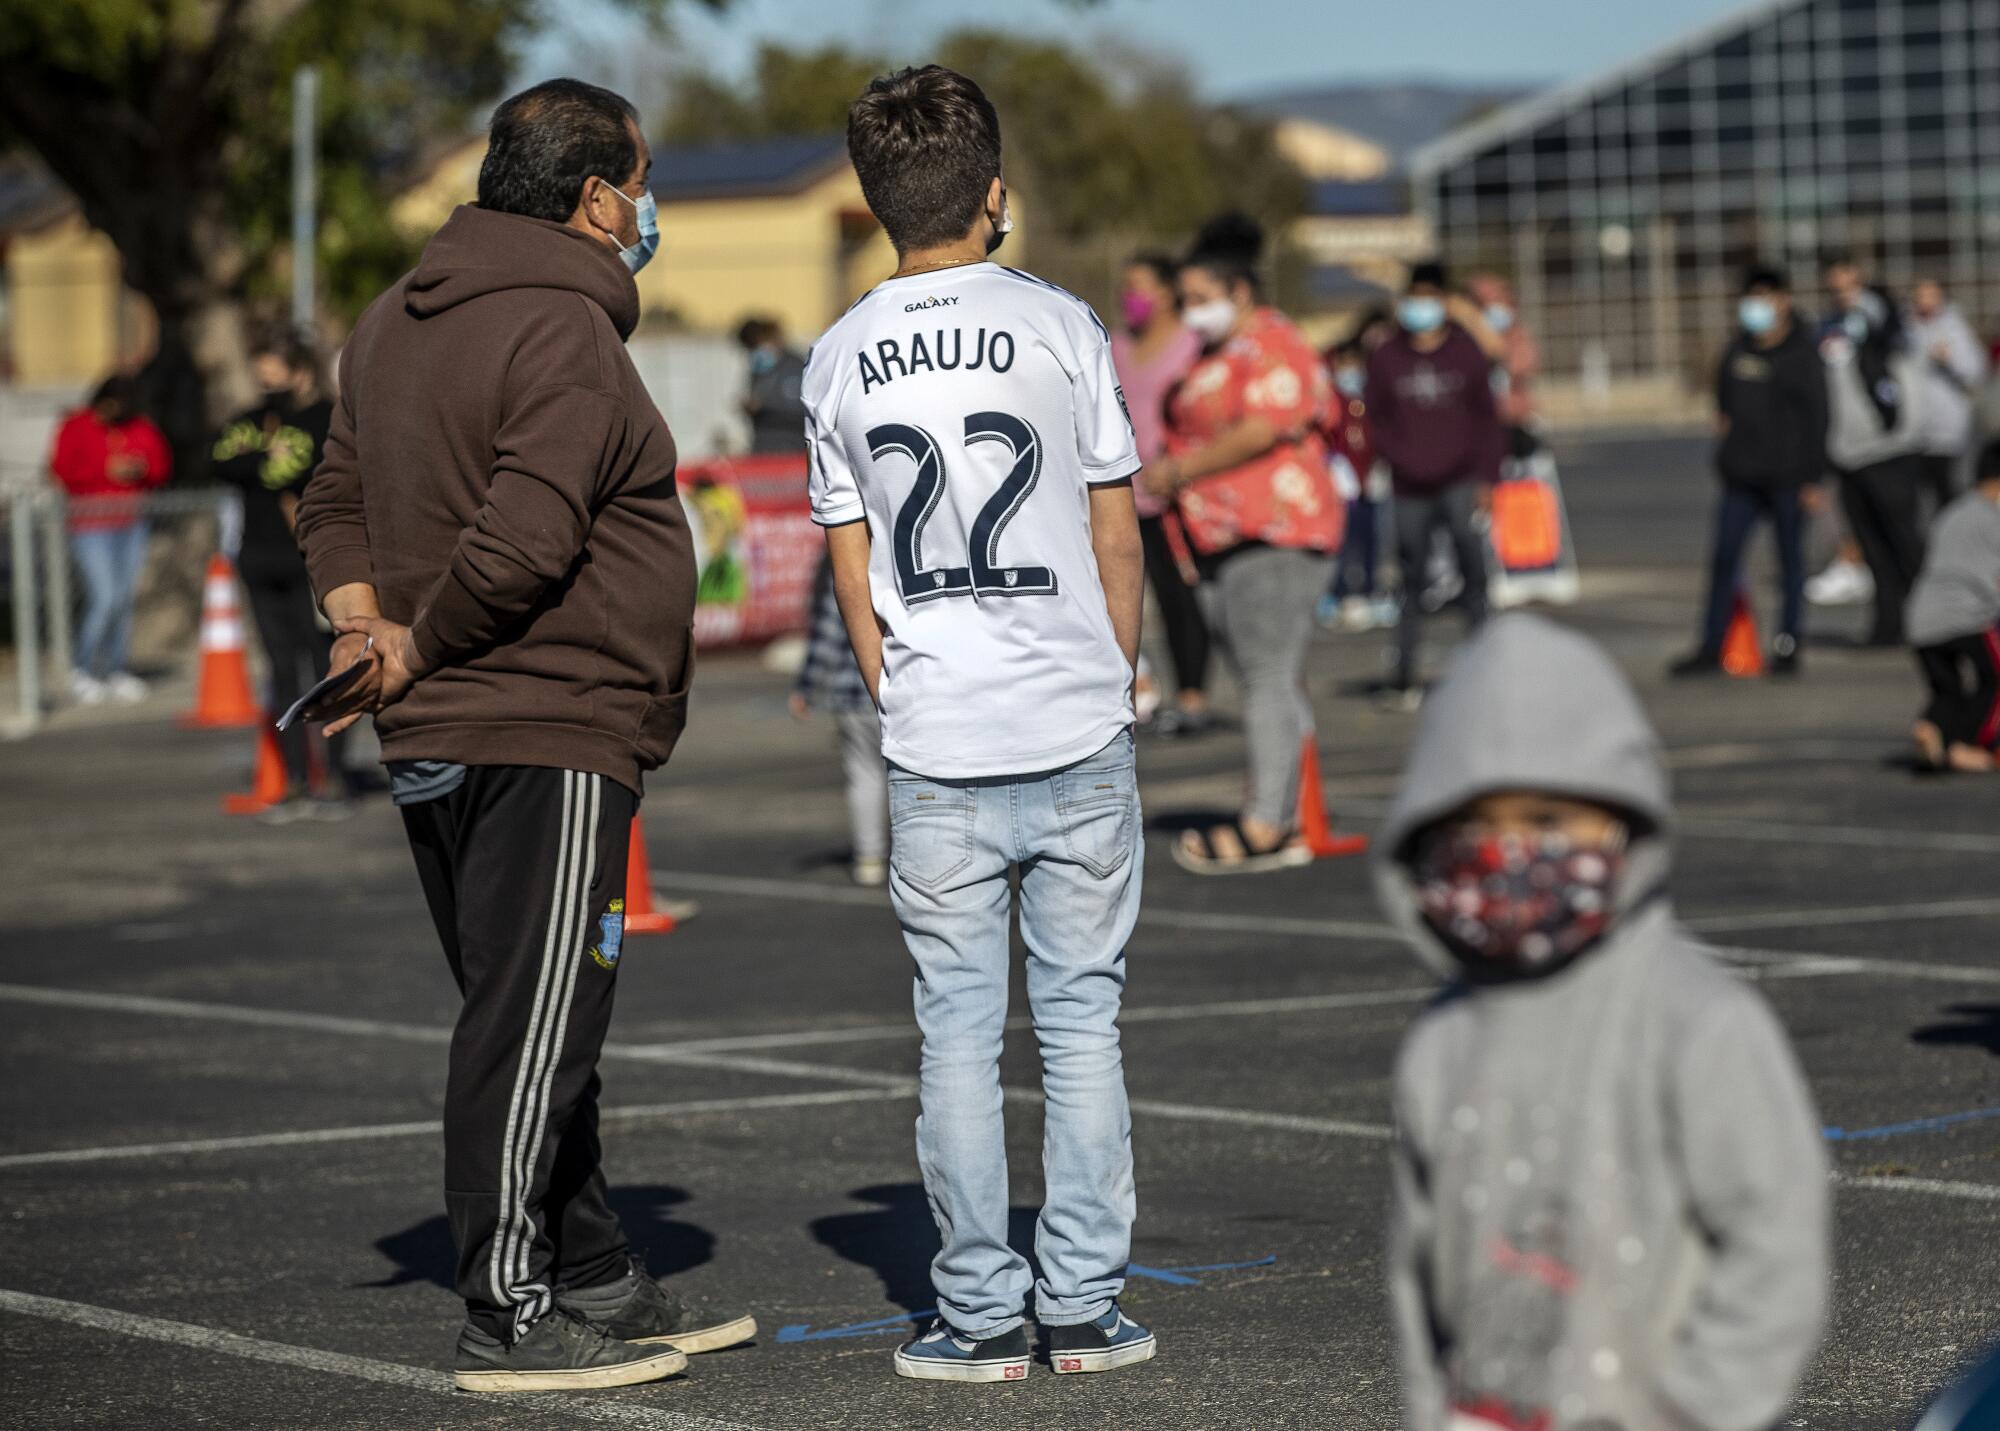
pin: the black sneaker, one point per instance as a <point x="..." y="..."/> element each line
<point x="1112" y="1341"/>
<point x="1784" y="655"/>
<point x="637" y="1309"/>
<point x="945" y="1354"/>
<point x="1701" y="663"/>
<point x="560" y="1352"/>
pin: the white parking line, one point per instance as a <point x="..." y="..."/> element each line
<point x="631" y="1113"/>
<point x="387" y="1373"/>
<point x="803" y="891"/>
<point x="1849" y="914"/>
<point x="1936" y="1187"/>
<point x="1144" y="1014"/>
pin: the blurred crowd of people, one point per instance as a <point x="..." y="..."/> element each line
<point x="1881" y="401"/>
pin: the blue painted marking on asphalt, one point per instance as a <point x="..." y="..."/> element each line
<point x="1160" y="1274"/>
<point x="802" y="1332"/>
<point x="1915" y="1125"/>
<point x="1172" y="1276"/>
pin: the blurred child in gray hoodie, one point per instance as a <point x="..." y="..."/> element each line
<point x="1610" y="1188"/>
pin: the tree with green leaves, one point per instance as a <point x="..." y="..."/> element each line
<point x="1130" y="155"/>
<point x="170" y="121"/>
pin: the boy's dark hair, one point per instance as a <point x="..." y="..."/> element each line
<point x="755" y="331"/>
<point x="546" y="141"/>
<point x="1160" y="265"/>
<point x="1766" y="276"/>
<point x="1429" y="274"/>
<point x="926" y="147"/>
<point x="1989" y="462"/>
<point x="1229" y="246"/>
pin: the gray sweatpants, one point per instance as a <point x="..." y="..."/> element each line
<point x="1418" y="514"/>
<point x="867" y="782"/>
<point x="1260" y="606"/>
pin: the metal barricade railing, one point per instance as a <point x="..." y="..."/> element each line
<point x="39" y="516"/>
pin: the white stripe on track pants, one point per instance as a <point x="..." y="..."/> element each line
<point x="524" y="871"/>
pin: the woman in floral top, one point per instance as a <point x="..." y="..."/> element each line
<point x="1249" y="475"/>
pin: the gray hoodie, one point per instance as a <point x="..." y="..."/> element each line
<point x="1953" y="365"/>
<point x="1610" y="1188"/>
<point x="1856" y="436"/>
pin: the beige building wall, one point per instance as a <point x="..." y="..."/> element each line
<point x="69" y="318"/>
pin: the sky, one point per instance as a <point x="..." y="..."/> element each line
<point x="1234" y="48"/>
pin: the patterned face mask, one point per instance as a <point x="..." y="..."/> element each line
<point x="1516" y="904"/>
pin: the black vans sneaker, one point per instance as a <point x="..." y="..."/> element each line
<point x="637" y="1309"/>
<point x="1784" y="655"/>
<point x="560" y="1352"/>
<point x="1112" y="1341"/>
<point x="945" y="1354"/>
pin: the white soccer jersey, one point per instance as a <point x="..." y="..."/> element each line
<point x="964" y="414"/>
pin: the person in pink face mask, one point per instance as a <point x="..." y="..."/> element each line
<point x="1153" y="351"/>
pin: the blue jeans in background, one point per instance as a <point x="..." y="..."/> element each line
<point x="1075" y="835"/>
<point x="1736" y="516"/>
<point x="109" y="560"/>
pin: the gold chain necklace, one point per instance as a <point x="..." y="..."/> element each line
<point x="931" y="267"/>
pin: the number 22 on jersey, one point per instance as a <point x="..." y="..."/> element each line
<point x="984" y="575"/>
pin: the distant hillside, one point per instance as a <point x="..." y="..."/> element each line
<point x="1398" y="115"/>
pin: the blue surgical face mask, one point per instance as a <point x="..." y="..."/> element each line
<point x="1421" y="315"/>
<point x="1757" y="315"/>
<point x="762" y="360"/>
<point x="641" y="253"/>
<point x="1856" y="324"/>
<point x="1499" y="319"/>
<point x="1351" y="381"/>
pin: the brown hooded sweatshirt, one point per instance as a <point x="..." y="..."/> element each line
<point x="497" y="471"/>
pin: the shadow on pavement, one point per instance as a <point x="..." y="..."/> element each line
<point x="899" y="1240"/>
<point x="423" y="1251"/>
<point x="1978" y="1027"/>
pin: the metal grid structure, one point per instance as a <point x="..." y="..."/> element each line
<point x="1627" y="207"/>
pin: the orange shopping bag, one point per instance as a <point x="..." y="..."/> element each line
<point x="1527" y="525"/>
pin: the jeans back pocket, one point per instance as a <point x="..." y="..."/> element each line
<point x="930" y="829"/>
<point x="1097" y="800"/>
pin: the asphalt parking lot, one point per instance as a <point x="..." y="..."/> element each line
<point x="223" y="1062"/>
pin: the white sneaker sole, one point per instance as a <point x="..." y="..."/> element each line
<point x="923" y="1368"/>
<point x="1083" y="1363"/>
<point x="588" y="1378"/>
<point x="708" y="1339"/>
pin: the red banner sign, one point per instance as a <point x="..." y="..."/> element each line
<point x="756" y="547"/>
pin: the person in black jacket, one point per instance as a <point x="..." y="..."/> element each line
<point x="268" y="452"/>
<point x="1771" y="412"/>
<point x="776" y="411"/>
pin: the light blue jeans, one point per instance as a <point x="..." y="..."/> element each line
<point x="109" y="561"/>
<point x="1075" y="835"/>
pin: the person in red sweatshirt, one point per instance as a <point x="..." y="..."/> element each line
<point x="107" y="456"/>
<point x="1430" y="391"/>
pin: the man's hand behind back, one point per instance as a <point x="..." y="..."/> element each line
<point x="396" y="661"/>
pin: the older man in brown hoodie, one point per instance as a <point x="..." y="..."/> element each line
<point x="495" y="532"/>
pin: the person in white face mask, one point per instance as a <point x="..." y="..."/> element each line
<point x="1248" y="473"/>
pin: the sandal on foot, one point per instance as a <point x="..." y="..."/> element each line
<point x="1288" y="853"/>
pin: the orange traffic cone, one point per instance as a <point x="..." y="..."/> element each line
<point x="270" y="784"/>
<point x="1742" y="651"/>
<point x="1314" y="828"/>
<point x="222" y="688"/>
<point x="641" y="916"/>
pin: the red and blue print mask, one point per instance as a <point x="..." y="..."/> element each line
<point x="1509" y="905"/>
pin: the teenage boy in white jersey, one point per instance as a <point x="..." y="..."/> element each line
<point x="972" y="464"/>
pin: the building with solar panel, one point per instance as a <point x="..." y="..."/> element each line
<point x="1627" y="207"/>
